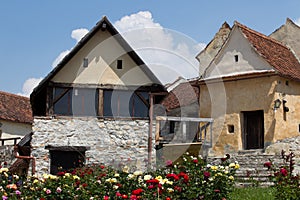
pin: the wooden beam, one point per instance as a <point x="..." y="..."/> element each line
<point x="185" y="119"/>
<point x="100" y="103"/>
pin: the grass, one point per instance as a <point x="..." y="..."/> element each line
<point x="253" y="193"/>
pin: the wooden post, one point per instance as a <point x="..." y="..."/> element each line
<point x="100" y="102"/>
<point x="150" y="132"/>
<point x="184" y="131"/>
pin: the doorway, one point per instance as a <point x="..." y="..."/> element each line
<point x="253" y="129"/>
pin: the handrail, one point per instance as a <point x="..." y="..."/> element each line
<point x="26" y="158"/>
<point x="7" y="139"/>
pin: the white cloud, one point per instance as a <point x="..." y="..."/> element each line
<point x="78" y="34"/>
<point x="298" y="22"/>
<point x="29" y="85"/>
<point x="168" y="53"/>
<point x="60" y="57"/>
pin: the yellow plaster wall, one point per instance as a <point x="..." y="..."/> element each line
<point x="249" y="95"/>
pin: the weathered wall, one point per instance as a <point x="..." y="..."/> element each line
<point x="248" y="59"/>
<point x="289" y="34"/>
<point x="109" y="141"/>
<point x="250" y="95"/>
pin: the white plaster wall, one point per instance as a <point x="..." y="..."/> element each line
<point x="13" y="129"/>
<point x="102" y="52"/>
<point x="248" y="59"/>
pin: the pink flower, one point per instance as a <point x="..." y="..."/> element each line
<point x="48" y="191"/>
<point x="106" y="198"/>
<point x="4" y="197"/>
<point x="18" y="192"/>
<point x="58" y="190"/>
<point x="169" y="163"/>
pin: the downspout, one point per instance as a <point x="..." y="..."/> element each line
<point x="150" y="132"/>
<point x="26" y="158"/>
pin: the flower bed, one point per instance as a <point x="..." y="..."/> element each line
<point x="190" y="179"/>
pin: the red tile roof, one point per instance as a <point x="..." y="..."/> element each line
<point x="15" y="108"/>
<point x="182" y="95"/>
<point x="279" y="56"/>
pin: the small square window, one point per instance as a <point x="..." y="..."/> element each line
<point x="119" y="64"/>
<point x="85" y="62"/>
<point x="230" y="128"/>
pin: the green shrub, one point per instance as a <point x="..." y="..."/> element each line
<point x="286" y="183"/>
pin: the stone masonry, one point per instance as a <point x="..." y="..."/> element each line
<point x="108" y="141"/>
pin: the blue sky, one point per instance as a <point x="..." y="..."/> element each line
<point x="34" y="33"/>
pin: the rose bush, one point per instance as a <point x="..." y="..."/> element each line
<point x="192" y="178"/>
<point x="286" y="183"/>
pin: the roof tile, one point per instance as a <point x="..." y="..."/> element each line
<point x="279" y="56"/>
<point x="15" y="108"/>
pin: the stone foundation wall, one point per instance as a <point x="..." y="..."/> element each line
<point x="6" y="155"/>
<point x="109" y="142"/>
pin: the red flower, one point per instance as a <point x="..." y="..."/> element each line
<point x="174" y="176"/>
<point x="168" y="198"/>
<point x="195" y="161"/>
<point x="153" y="181"/>
<point x="102" y="166"/>
<point x="184" y="176"/>
<point x="124" y="196"/>
<point x="61" y="173"/>
<point x="150" y="187"/>
<point x="106" y="198"/>
<point x="283" y="171"/>
<point x="118" y="194"/>
<point x="133" y="197"/>
<point x="206" y="174"/>
<point x="84" y="185"/>
<point x="137" y="191"/>
<point x="177" y="188"/>
<point x="268" y="165"/>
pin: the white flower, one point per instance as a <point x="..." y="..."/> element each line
<point x="137" y="173"/>
<point x="147" y="177"/>
<point x="130" y="176"/>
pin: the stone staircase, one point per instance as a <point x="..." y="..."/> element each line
<point x="252" y="171"/>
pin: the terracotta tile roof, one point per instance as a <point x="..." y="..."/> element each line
<point x="279" y="56"/>
<point x="182" y="95"/>
<point x="15" y="108"/>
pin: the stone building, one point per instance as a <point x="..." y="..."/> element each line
<point x="251" y="88"/>
<point x="93" y="107"/>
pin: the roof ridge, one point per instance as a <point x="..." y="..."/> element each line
<point x="15" y="95"/>
<point x="259" y="34"/>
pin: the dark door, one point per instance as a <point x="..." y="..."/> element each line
<point x="253" y="129"/>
